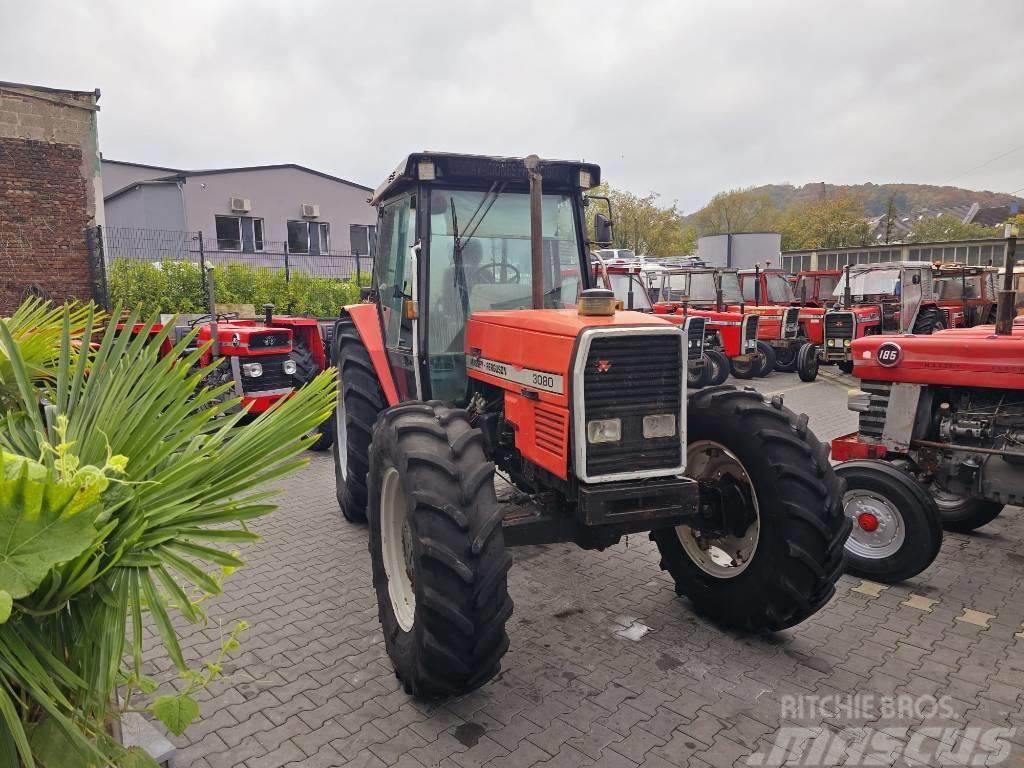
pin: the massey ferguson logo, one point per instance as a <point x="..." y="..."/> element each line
<point x="603" y="366"/>
<point x="268" y="341"/>
<point x="889" y="354"/>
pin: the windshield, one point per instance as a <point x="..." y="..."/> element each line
<point x="779" y="289"/>
<point x="953" y="287"/>
<point x="496" y="268"/>
<point x="870" y="283"/>
<point x="620" y="287"/>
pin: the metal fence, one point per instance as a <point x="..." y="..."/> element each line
<point x="168" y="270"/>
<point x="982" y="252"/>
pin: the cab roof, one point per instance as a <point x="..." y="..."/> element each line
<point x="459" y="169"/>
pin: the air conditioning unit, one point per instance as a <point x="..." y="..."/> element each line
<point x="241" y="205"/>
<point x="310" y="210"/>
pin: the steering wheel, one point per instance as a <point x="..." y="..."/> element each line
<point x="488" y="273"/>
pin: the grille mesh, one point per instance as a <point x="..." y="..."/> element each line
<point x="273" y="376"/>
<point x="870" y="424"/>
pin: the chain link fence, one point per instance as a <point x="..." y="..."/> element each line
<point x="167" y="271"/>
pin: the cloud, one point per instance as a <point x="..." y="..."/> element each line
<point x="684" y="99"/>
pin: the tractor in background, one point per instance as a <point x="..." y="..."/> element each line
<point x="484" y="346"/>
<point x="940" y="442"/>
<point x="787" y="327"/>
<point x="815" y="288"/>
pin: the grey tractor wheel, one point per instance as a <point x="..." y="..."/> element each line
<point x="896" y="527"/>
<point x="807" y="362"/>
<point x="718" y="367"/>
<point x="306" y="369"/>
<point x="359" y="401"/>
<point x="767" y="354"/>
<point x="437" y="550"/>
<point x="777" y="560"/>
<point x="786" y="359"/>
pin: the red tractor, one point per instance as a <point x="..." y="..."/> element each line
<point x="940" y="442"/>
<point x="484" y="346"/>
<point x="967" y="295"/>
<point x="788" y="327"/>
<point x="816" y="288"/>
<point x="265" y="359"/>
<point x="707" y="292"/>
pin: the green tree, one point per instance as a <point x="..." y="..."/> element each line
<point x="738" y="210"/>
<point x="835" y="222"/>
<point x="644" y="226"/>
<point x="940" y="228"/>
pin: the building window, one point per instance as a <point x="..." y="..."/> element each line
<point x="298" y="236"/>
<point x="229" y="233"/>
<point x="325" y="236"/>
<point x="257" y="234"/>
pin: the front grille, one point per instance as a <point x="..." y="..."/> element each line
<point x="694" y="338"/>
<point x="628" y="377"/>
<point x="791" y="323"/>
<point x="749" y="336"/>
<point x="839" y="325"/>
<point x="273" y="376"/>
<point x="872" y="421"/>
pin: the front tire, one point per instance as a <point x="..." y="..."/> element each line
<point x="846" y="366"/>
<point x="437" y="550"/>
<point x="697" y="378"/>
<point x="807" y="362"/>
<point x="767" y="354"/>
<point x="360" y="399"/>
<point x="745" y="369"/>
<point x="897" y="530"/>
<point x="780" y="489"/>
<point x="306" y="370"/>
<point x="718" y="365"/>
<point x="786" y="359"/>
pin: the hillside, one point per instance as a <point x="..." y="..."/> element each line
<point x="908" y="197"/>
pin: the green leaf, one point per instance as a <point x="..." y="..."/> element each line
<point x="6" y="603"/>
<point x="52" y="748"/>
<point x="176" y="712"/>
<point x="42" y="523"/>
<point x="135" y="757"/>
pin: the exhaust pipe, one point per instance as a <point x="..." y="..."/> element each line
<point x="1007" y="296"/>
<point x="268" y="314"/>
<point x="532" y="164"/>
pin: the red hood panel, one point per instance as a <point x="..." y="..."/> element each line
<point x="968" y="357"/>
<point x="561" y="322"/>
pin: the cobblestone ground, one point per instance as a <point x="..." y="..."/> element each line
<point x="607" y="667"/>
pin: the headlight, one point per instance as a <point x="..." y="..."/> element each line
<point x="846" y="342"/>
<point x="831" y="342"/>
<point x="289" y="367"/>
<point x="662" y="425"/>
<point x="252" y="370"/>
<point x="604" y="431"/>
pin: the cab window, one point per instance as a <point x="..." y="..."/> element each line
<point x="393" y="272"/>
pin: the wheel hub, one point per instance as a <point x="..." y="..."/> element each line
<point x="879" y="530"/>
<point x="723" y="541"/>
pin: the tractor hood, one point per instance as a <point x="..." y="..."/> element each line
<point x="560" y="322"/>
<point x="968" y="357"/>
<point x="248" y="338"/>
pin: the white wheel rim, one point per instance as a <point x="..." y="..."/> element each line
<point x="724" y="557"/>
<point x="889" y="534"/>
<point x="340" y="431"/>
<point x="396" y="549"/>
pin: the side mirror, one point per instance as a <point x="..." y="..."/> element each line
<point x="915" y="279"/>
<point x="602" y="229"/>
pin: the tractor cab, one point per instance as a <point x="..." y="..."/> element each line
<point x="816" y="288"/>
<point x="966" y="294"/>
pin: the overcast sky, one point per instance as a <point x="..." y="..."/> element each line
<point x="682" y="98"/>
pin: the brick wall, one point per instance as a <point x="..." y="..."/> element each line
<point x="48" y="193"/>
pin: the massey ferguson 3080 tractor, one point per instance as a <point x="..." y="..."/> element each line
<point x="940" y="444"/>
<point x="706" y="293"/>
<point x="483" y="344"/>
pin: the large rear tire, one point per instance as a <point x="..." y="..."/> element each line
<point x="897" y="530"/>
<point x="929" y="320"/>
<point x="437" y="550"/>
<point x="807" y="362"/>
<point x="718" y="365"/>
<point x="306" y="370"/>
<point x="963" y="514"/>
<point x="767" y="354"/>
<point x="360" y="399"/>
<point x="782" y="553"/>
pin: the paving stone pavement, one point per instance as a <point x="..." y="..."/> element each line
<point x="312" y="686"/>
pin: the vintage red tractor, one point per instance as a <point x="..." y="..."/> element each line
<point x="504" y="355"/>
<point x="940" y="442"/>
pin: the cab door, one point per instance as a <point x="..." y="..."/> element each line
<point x="395" y="280"/>
<point x="914" y="286"/>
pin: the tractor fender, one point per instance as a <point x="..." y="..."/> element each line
<point x="367" y="323"/>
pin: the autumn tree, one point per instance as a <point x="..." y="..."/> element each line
<point x="936" y="229"/>
<point x="835" y="222"/>
<point x="644" y="226"/>
<point x="738" y="210"/>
